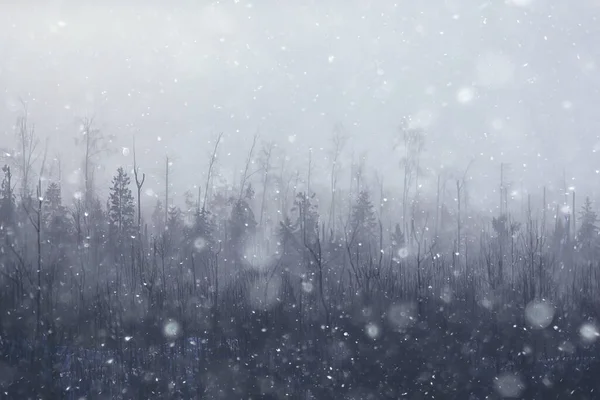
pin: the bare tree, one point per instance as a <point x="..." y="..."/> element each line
<point x="380" y="186"/>
<point x="246" y="174"/>
<point x="138" y="183"/>
<point x="35" y="217"/>
<point x="420" y="255"/>
<point x="284" y="183"/>
<point x="211" y="165"/>
<point x="94" y="144"/>
<point x="413" y="143"/>
<point x="438" y="206"/>
<point x="338" y="141"/>
<point x="267" y="153"/>
<point x="27" y="143"/>
<point x="460" y="183"/>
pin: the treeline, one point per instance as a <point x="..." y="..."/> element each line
<point x="264" y="294"/>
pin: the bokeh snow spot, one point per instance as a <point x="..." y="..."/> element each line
<point x="199" y="244"/>
<point x="446" y="294"/>
<point x="403" y="252"/>
<point x="589" y="332"/>
<point x="539" y="314"/>
<point x="171" y="330"/>
<point x="465" y="95"/>
<point x="372" y="330"/>
<point x="509" y="385"/>
<point x="567" y="347"/>
<point x="307" y="286"/>
<point x="401" y="316"/>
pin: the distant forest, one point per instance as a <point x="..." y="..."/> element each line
<point x="266" y="289"/>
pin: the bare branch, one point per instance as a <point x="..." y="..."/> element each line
<point x="211" y="164"/>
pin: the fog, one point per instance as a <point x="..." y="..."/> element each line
<point x="299" y="199"/>
<point x="498" y="82"/>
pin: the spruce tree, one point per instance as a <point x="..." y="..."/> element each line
<point x="57" y="224"/>
<point x="363" y="217"/>
<point x="7" y="203"/>
<point x="307" y="220"/>
<point x="121" y="207"/>
<point x="398" y="240"/>
<point x="587" y="236"/>
<point x="201" y="234"/>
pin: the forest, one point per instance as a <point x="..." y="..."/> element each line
<point x="274" y="287"/>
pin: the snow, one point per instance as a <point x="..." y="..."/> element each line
<point x="539" y="314"/>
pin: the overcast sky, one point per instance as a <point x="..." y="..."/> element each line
<point x="513" y="81"/>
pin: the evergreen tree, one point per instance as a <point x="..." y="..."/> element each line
<point x="504" y="228"/>
<point x="363" y="218"/>
<point x="121" y="207"/>
<point x="200" y="236"/>
<point x="7" y="203"/>
<point x="397" y="237"/>
<point x="175" y="226"/>
<point x="307" y="218"/>
<point x="191" y="208"/>
<point x="587" y="237"/>
<point x="174" y="220"/>
<point x="53" y="197"/>
<point x="57" y="224"/>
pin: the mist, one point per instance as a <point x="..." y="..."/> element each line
<point x="299" y="200"/>
<point x="498" y="82"/>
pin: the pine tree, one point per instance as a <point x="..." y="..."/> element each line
<point x="121" y="207"/>
<point x="587" y="237"/>
<point x="191" y="208"/>
<point x="58" y="225"/>
<point x="7" y="203"/>
<point x="53" y="197"/>
<point x="363" y="217"/>
<point x="397" y="237"/>
<point x="201" y="234"/>
<point x="503" y="227"/>
<point x="307" y="220"/>
<point x="175" y="219"/>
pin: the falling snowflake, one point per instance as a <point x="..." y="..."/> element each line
<point x="509" y="385"/>
<point x="372" y="331"/>
<point x="200" y="244"/>
<point x="465" y="95"/>
<point x="403" y="252"/>
<point x="539" y="314"/>
<point x="171" y="329"/>
<point x="589" y="332"/>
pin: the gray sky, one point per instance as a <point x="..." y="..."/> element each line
<point x="513" y="81"/>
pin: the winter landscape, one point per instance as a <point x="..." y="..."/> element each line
<point x="311" y="200"/>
